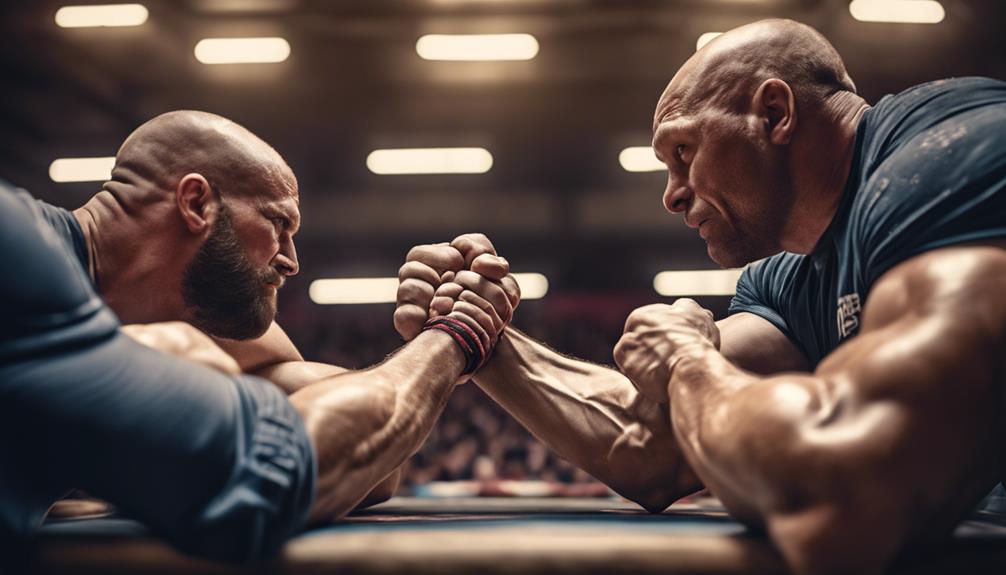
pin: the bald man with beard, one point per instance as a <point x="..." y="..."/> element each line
<point x="852" y="404"/>
<point x="197" y="225"/>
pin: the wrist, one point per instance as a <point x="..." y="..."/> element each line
<point x="466" y="338"/>
<point x="705" y="368"/>
<point x="691" y="361"/>
<point x="442" y="344"/>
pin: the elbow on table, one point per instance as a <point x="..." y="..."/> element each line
<point x="654" y="493"/>
<point x="653" y="502"/>
<point x="819" y="501"/>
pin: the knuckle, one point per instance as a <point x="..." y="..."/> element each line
<point x="417" y="252"/>
<point x="411" y="269"/>
<point x="448" y="289"/>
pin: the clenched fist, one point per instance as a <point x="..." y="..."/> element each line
<point x="464" y="279"/>
<point x="656" y="337"/>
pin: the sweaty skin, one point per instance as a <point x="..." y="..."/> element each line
<point x="890" y="440"/>
<point x="178" y="181"/>
<point x="589" y="414"/>
<point x="886" y="444"/>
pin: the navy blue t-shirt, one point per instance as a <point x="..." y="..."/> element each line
<point x="929" y="171"/>
<point x="219" y="465"/>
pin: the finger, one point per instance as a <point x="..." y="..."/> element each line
<point x="472" y="246"/>
<point x="440" y="257"/>
<point x="443" y="300"/>
<point x="490" y="266"/>
<point x="420" y="271"/>
<point x="472" y="298"/>
<point x="644" y="315"/>
<point x="487" y="290"/>
<point x="449" y="289"/>
<point x="686" y="303"/>
<point x="441" y="306"/>
<point x="485" y="324"/>
<point x="409" y="320"/>
<point x="625" y="345"/>
<point x="416" y="292"/>
<point x="512" y="290"/>
<point x="446" y="277"/>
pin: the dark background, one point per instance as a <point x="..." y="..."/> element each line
<point x="556" y="200"/>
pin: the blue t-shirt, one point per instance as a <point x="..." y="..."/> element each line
<point x="221" y="466"/>
<point x="929" y="171"/>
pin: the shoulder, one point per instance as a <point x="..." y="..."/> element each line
<point x="774" y="274"/>
<point x="936" y="180"/>
<point x="896" y="119"/>
<point x="966" y="278"/>
<point x="771" y="284"/>
<point x="941" y="97"/>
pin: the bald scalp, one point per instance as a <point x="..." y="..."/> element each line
<point x="163" y="150"/>
<point x="726" y="73"/>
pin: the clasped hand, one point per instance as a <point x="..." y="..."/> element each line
<point x="464" y="279"/>
<point x="657" y="337"/>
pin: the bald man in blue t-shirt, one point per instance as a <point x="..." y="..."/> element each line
<point x="853" y="403"/>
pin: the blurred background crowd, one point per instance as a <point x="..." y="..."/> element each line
<point x="564" y="181"/>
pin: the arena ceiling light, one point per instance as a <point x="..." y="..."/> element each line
<point x="353" y="290"/>
<point x="101" y="15"/>
<point x="532" y="285"/>
<point x="698" y="282"/>
<point x="904" y="11"/>
<point x="242" y="50"/>
<point x="705" y="39"/>
<point x="640" y="159"/>
<point x="82" y="169"/>
<point x="384" y="290"/>
<point x="471" y="47"/>
<point x="430" y="161"/>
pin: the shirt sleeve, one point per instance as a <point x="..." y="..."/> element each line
<point x="763" y="290"/>
<point x="945" y="186"/>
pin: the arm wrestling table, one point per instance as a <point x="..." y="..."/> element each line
<point x="499" y="536"/>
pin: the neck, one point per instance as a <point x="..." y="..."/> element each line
<point x="130" y="260"/>
<point x="820" y="184"/>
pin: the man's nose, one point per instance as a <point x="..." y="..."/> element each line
<point x="677" y="196"/>
<point x="286" y="260"/>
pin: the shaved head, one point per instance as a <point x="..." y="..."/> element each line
<point x="726" y="72"/>
<point x="171" y="145"/>
<point x="744" y="128"/>
<point x="243" y="186"/>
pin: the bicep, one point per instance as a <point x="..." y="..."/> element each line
<point x="754" y="344"/>
<point x="941" y="310"/>
<point x="922" y="381"/>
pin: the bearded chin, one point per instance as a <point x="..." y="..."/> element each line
<point x="226" y="296"/>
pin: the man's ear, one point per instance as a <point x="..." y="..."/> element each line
<point x="198" y="203"/>
<point x="775" y="105"/>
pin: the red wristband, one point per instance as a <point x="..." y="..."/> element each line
<point x="471" y="332"/>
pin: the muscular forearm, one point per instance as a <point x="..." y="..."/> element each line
<point x="592" y="416"/>
<point x="842" y="459"/>
<point x="365" y="424"/>
<point x="781" y="454"/>
<point x="715" y="405"/>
